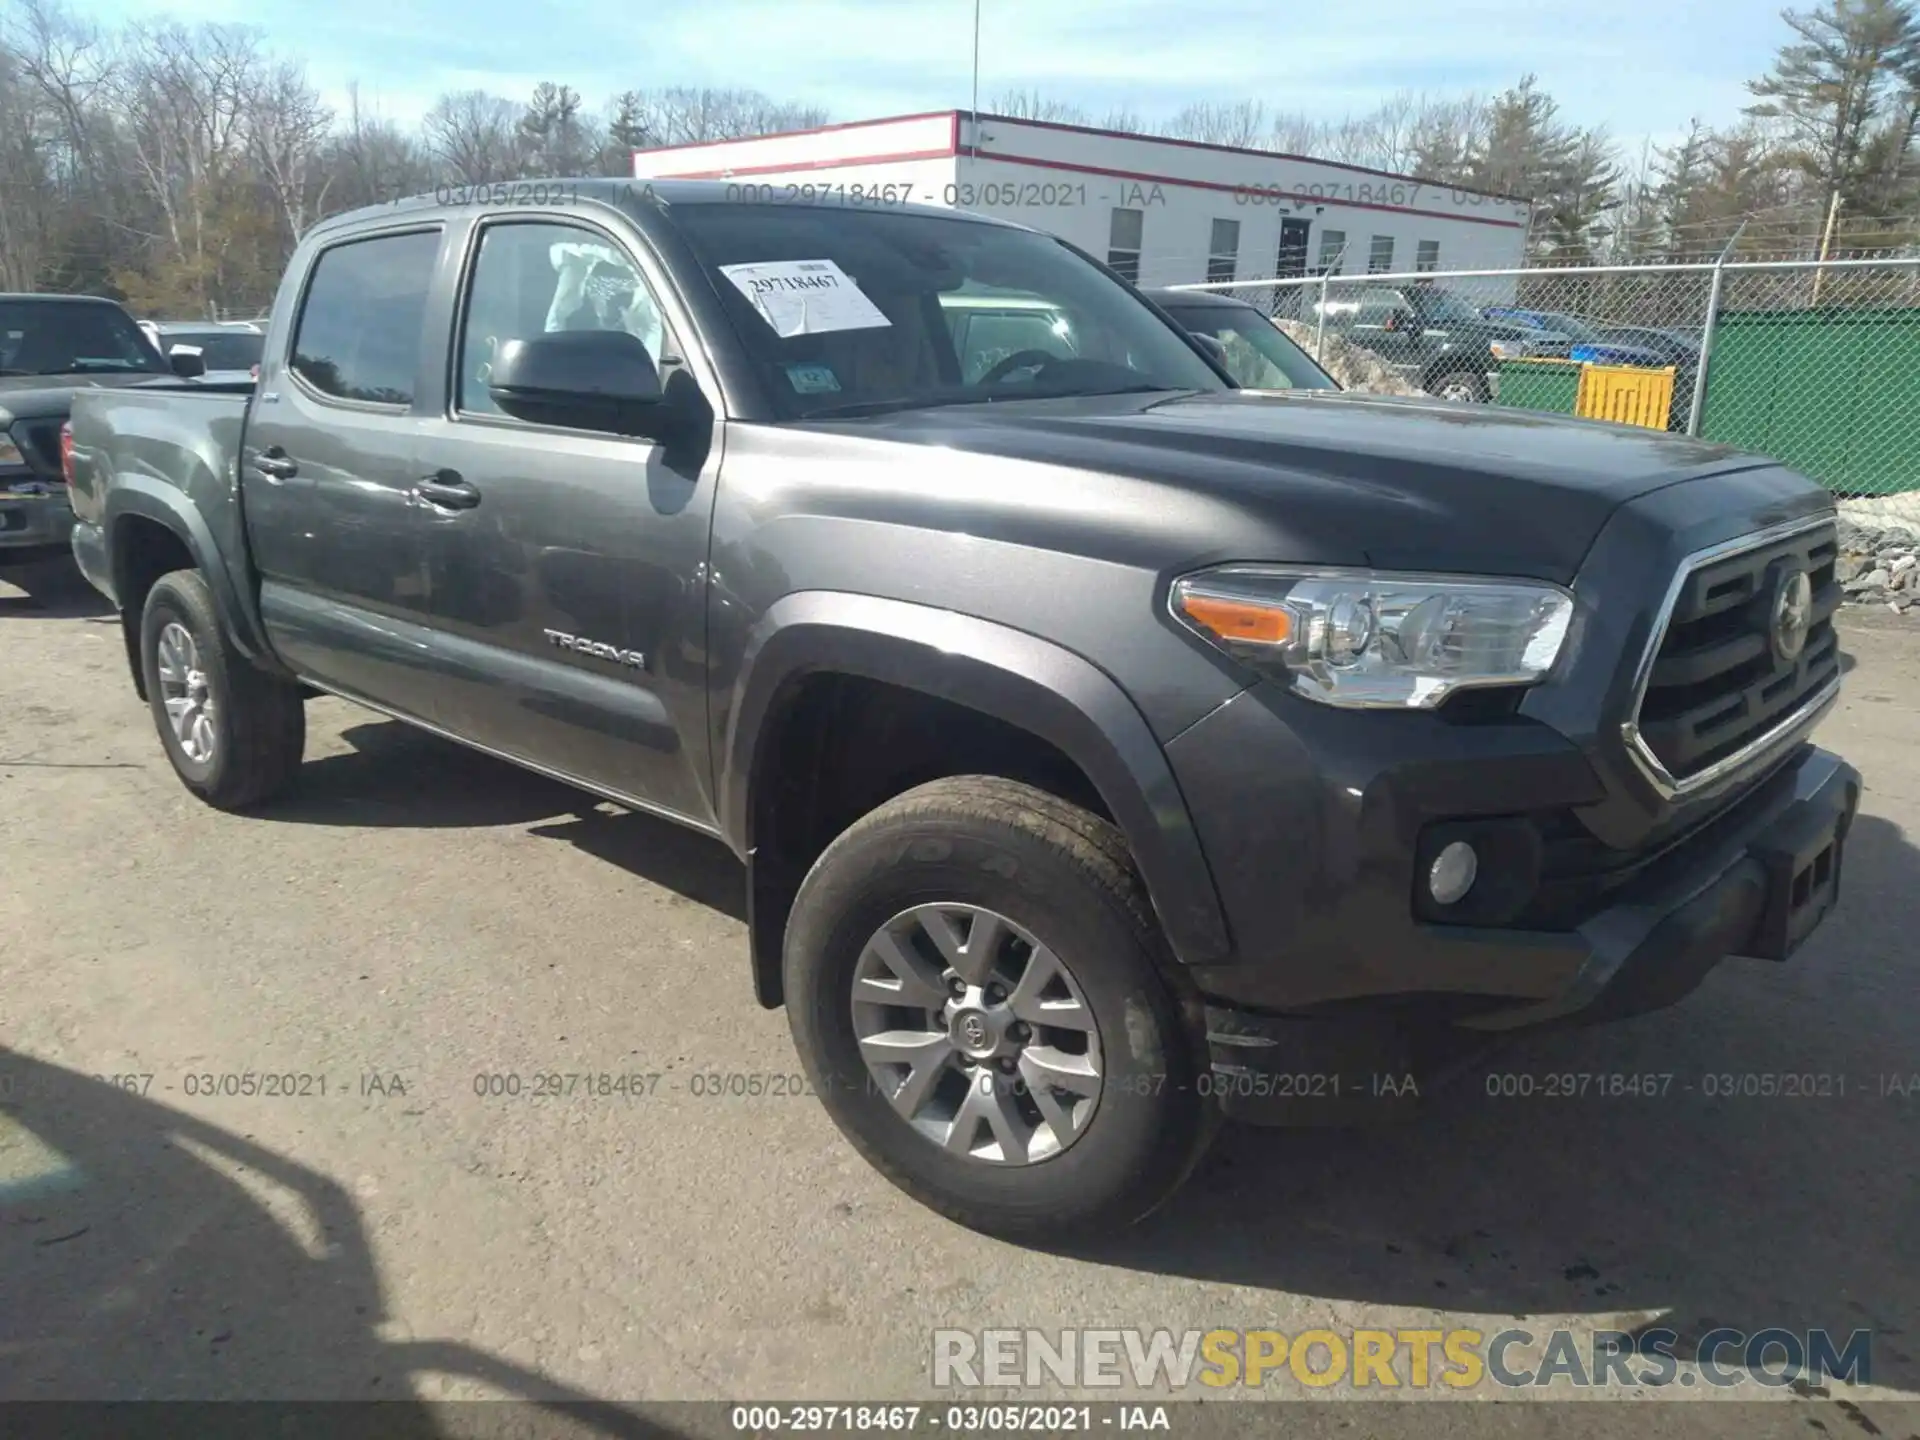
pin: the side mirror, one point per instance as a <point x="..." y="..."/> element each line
<point x="187" y="361"/>
<point x="579" y="379"/>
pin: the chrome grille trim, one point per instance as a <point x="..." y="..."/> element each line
<point x="1789" y="730"/>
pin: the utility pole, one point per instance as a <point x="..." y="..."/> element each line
<point x="1826" y="243"/>
<point x="974" y="116"/>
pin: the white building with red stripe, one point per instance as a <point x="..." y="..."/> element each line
<point x="1165" y="212"/>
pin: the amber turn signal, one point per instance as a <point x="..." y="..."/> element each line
<point x="1239" y="620"/>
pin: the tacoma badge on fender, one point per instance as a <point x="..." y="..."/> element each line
<point x="598" y="649"/>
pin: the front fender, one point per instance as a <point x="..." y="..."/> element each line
<point x="1016" y="677"/>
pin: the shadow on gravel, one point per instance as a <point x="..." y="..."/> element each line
<point x="53" y="589"/>
<point x="402" y="776"/>
<point x="692" y="865"/>
<point x="149" y="1255"/>
<point x="1706" y="1205"/>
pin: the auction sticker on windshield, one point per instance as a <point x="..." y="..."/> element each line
<point x="805" y="297"/>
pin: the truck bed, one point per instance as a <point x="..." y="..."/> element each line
<point x="180" y="434"/>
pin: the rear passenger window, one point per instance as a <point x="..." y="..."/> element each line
<point x="359" y="331"/>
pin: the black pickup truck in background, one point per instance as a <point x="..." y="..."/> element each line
<point x="1110" y="750"/>
<point x="50" y="347"/>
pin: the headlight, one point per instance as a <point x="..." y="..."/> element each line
<point x="10" y="456"/>
<point x="1361" y="638"/>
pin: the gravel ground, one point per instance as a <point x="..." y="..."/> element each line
<point x="416" y="916"/>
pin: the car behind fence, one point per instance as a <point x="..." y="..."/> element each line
<point x="1816" y="363"/>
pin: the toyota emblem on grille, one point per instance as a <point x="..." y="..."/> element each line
<point x="1792" y="614"/>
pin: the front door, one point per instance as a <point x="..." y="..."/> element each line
<point x="328" y="470"/>
<point x="566" y="567"/>
<point x="1291" y="260"/>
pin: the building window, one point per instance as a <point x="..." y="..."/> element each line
<point x="1224" y="253"/>
<point x="1123" y="242"/>
<point x="1428" y="256"/>
<point x="1333" y="244"/>
<point x="1380" y="259"/>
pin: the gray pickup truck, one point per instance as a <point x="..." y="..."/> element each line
<point x="1109" y="750"/>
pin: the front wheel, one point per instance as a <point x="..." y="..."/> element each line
<point x="1465" y="386"/>
<point x="234" y="733"/>
<point x="974" y="985"/>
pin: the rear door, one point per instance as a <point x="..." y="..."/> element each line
<point x="567" y="566"/>
<point x="328" y="469"/>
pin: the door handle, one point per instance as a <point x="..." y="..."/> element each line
<point x="447" y="489"/>
<point x="275" y="464"/>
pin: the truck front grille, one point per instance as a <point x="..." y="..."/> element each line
<point x="39" y="441"/>
<point x="1717" y="686"/>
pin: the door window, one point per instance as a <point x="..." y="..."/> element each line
<point x="537" y="279"/>
<point x="360" y="326"/>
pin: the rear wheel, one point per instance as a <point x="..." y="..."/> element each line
<point x="234" y="733"/>
<point x="974" y="982"/>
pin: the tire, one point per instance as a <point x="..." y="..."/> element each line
<point x="1465" y="386"/>
<point x="258" y="726"/>
<point x="1064" y="877"/>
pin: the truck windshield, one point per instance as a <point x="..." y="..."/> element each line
<point x="849" y="311"/>
<point x="62" y="337"/>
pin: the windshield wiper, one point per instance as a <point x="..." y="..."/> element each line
<point x="883" y="407"/>
<point x="871" y="407"/>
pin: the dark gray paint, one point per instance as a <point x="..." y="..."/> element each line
<point x="1013" y="557"/>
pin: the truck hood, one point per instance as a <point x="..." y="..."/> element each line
<point x="48" y="397"/>
<point x="1333" y="478"/>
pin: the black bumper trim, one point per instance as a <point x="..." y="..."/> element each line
<point x="1659" y="940"/>
<point x="1758" y="894"/>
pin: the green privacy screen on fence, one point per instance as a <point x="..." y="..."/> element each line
<point x="1552" y="385"/>
<point x="1833" y="392"/>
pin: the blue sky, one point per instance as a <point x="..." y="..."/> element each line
<point x="1640" y="67"/>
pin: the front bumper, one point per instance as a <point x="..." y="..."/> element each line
<point x="1339" y="990"/>
<point x="34" y="524"/>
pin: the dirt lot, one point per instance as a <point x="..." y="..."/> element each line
<point x="417" y="916"/>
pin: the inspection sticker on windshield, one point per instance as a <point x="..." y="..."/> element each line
<point x="805" y="297"/>
<point x="813" y="379"/>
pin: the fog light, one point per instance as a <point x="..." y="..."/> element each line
<point x="1452" y="873"/>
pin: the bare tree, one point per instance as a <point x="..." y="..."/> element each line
<point x="371" y="160"/>
<point x="186" y="97"/>
<point x="287" y="134"/>
<point x="1032" y="105"/>
<point x="1241" y="122"/>
<point x="474" y="137"/>
<point x="680" y="115"/>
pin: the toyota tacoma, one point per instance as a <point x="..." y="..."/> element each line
<point x="1109" y="750"/>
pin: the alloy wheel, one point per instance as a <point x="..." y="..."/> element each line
<point x="977" y="1034"/>
<point x="185" y="693"/>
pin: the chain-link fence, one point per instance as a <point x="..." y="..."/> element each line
<point x="1814" y="363"/>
